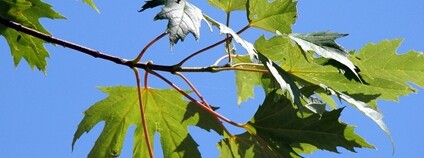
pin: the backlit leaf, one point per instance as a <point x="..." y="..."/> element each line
<point x="320" y="71"/>
<point x="283" y="78"/>
<point x="229" y="5"/>
<point x="245" y="80"/>
<point x="276" y="15"/>
<point x="379" y="62"/>
<point x="277" y="130"/>
<point x="27" y="13"/>
<point x="166" y="113"/>
<point x="92" y="5"/>
<point x="376" y="116"/>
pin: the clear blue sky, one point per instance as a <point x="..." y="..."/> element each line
<point x="39" y="114"/>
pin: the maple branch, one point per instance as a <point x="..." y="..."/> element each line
<point x="51" y="39"/>
<point x="97" y="54"/>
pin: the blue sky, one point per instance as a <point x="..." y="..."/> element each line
<point x="40" y="113"/>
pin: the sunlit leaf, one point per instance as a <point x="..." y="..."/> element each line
<point x="226" y="30"/>
<point x="246" y="80"/>
<point x="229" y="5"/>
<point x="277" y="130"/>
<point x="376" y="116"/>
<point x="27" y="13"/>
<point x="166" y="113"/>
<point x="184" y="18"/>
<point x="383" y="81"/>
<point x="275" y="15"/>
<point x="92" y="5"/>
<point x="283" y="78"/>
<point x="381" y="64"/>
<point x="323" y="43"/>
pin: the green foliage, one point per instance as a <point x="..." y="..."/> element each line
<point x="293" y="119"/>
<point x="387" y="72"/>
<point x="229" y="5"/>
<point x="277" y="128"/>
<point x="166" y="113"/>
<point x="92" y="5"/>
<point x="323" y="43"/>
<point x="276" y="16"/>
<point x="246" y="81"/>
<point x="28" y="13"/>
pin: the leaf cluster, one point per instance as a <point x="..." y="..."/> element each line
<point x="303" y="76"/>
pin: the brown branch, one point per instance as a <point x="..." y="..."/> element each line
<point x="48" y="38"/>
<point x="97" y="54"/>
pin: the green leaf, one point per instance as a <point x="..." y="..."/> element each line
<point x="283" y="79"/>
<point x="276" y="130"/>
<point x="27" y="13"/>
<point x="308" y="70"/>
<point x="184" y="18"/>
<point x="92" y="5"/>
<point x="245" y="80"/>
<point x="229" y="5"/>
<point x="166" y="112"/>
<point x="376" y="116"/>
<point x="277" y="15"/>
<point x="323" y="43"/>
<point x="381" y="64"/>
<point x="385" y="73"/>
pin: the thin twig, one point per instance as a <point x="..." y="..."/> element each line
<point x="220" y="59"/>
<point x="203" y="106"/>
<point x="228" y="41"/>
<point x="193" y="88"/>
<point x="202" y="99"/>
<point x="209" y="47"/>
<point x="140" y="55"/>
<point x="142" y="112"/>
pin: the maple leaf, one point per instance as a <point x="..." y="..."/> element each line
<point x="166" y="113"/>
<point x="92" y="5"/>
<point x="27" y="13"/>
<point x="245" y="81"/>
<point x="323" y="43"/>
<point x="277" y="130"/>
<point x="184" y="18"/>
<point x="279" y="74"/>
<point x="272" y="16"/>
<point x="385" y="73"/>
<point x="283" y="78"/>
<point x="376" y="116"/>
<point x="229" y="5"/>
<point x="381" y="65"/>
